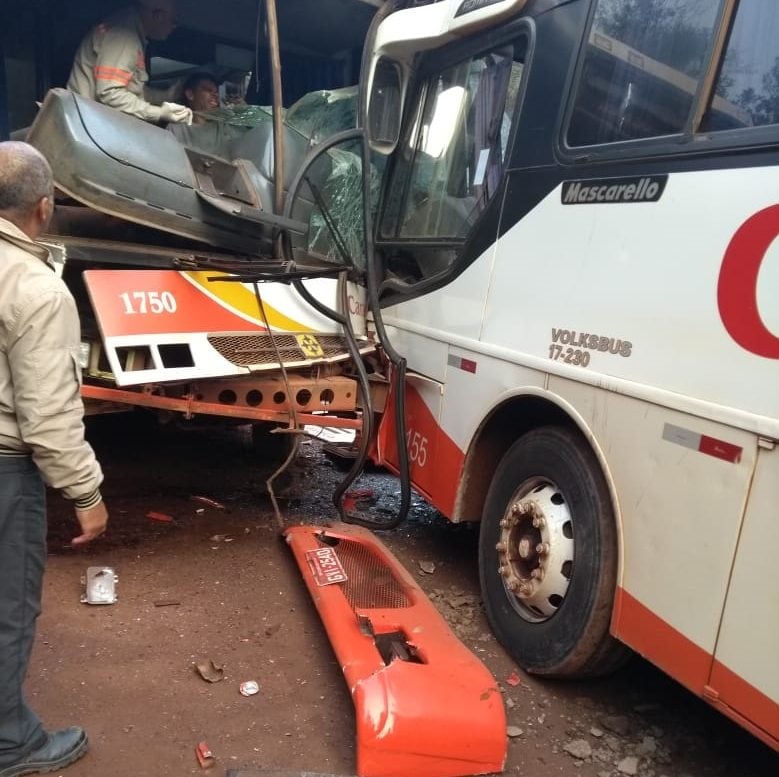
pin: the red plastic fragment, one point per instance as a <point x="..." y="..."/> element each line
<point x="204" y="755"/>
<point x="352" y="497"/>
<point x="514" y="679"/>
<point x="161" y="517"/>
<point x="425" y="705"/>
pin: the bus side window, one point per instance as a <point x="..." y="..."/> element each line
<point x="747" y="90"/>
<point x="641" y="69"/>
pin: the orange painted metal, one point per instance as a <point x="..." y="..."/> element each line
<point x="425" y="705"/>
<point x="190" y="406"/>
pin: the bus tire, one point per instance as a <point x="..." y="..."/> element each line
<point x="548" y="557"/>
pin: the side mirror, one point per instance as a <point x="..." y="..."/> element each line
<point x="385" y="106"/>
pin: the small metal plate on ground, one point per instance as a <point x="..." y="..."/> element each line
<point x="99" y="585"/>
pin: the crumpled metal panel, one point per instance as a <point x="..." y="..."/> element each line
<point x="129" y="168"/>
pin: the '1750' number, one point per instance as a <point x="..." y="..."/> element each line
<point x="148" y="302"/>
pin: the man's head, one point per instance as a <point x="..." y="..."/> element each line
<point x="201" y="92"/>
<point x="158" y="17"/>
<point x="26" y="188"/>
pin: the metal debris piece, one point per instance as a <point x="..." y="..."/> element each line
<point x="209" y="671"/>
<point x="99" y="585"/>
<point x="427" y="567"/>
<point x="249" y="688"/>
<point x="514" y="731"/>
<point x="166" y="602"/>
<point x="204" y="500"/>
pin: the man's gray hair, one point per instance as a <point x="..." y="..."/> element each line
<point x="25" y="177"/>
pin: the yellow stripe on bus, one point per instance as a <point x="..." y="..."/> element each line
<point x="243" y="300"/>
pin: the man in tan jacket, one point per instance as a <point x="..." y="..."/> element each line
<point x="110" y="64"/>
<point x="41" y="441"/>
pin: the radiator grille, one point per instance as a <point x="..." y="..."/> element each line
<point x="258" y="350"/>
<point x="371" y="584"/>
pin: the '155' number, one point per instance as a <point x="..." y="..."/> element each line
<point x="417" y="447"/>
<point x="148" y="302"/>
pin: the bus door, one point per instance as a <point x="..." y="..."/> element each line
<point x="439" y="211"/>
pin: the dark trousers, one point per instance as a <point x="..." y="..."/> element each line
<point x="22" y="559"/>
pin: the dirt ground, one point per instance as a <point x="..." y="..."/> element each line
<point x="219" y="585"/>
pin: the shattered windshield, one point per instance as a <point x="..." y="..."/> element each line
<point x="331" y="204"/>
<point x="318" y="116"/>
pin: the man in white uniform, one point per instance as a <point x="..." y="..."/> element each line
<point x="110" y="64"/>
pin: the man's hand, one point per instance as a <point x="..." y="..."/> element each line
<point x="93" y="522"/>
<point x="178" y="114"/>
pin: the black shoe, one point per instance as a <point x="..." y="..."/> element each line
<point x="61" y="748"/>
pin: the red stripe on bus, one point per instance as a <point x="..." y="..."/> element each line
<point x="659" y="642"/>
<point x="737" y="698"/>
<point x="720" y="449"/>
<point x="436" y="473"/>
<point x="695" y="668"/>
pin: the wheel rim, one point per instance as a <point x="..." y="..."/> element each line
<point x="536" y="549"/>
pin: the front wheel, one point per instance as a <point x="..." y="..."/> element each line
<point x="548" y="557"/>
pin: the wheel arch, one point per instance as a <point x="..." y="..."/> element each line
<point x="512" y="416"/>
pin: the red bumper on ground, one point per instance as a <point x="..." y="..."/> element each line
<point x="425" y="705"/>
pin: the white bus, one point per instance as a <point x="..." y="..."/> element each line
<point x="577" y="255"/>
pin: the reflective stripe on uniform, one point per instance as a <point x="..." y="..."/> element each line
<point x="104" y="73"/>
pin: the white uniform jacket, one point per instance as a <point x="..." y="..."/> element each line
<point x="41" y="411"/>
<point x="110" y="66"/>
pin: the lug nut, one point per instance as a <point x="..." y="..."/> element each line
<point x="513" y="585"/>
<point x="542" y="548"/>
<point x="536" y="574"/>
<point x="525" y="589"/>
<point x="505" y="523"/>
<point x="516" y="509"/>
<point x="504" y="571"/>
<point x="539" y="523"/>
<point x="501" y="547"/>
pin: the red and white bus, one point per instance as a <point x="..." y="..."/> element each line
<point x="154" y="233"/>
<point x="577" y="256"/>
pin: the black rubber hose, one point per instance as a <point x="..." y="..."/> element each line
<point x="368" y="422"/>
<point x="373" y="279"/>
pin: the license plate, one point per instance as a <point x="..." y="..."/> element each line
<point x="325" y="566"/>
